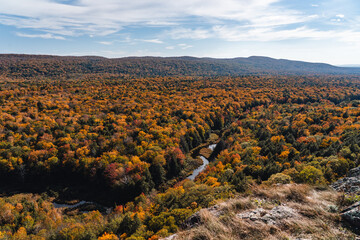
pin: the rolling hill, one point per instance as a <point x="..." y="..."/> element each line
<point x="29" y="66"/>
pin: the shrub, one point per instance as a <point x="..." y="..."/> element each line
<point x="311" y="175"/>
<point x="279" y="178"/>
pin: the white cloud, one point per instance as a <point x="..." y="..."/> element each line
<point x="45" y="36"/>
<point x="266" y="34"/>
<point x="106" y="43"/>
<point x="153" y="41"/>
<point x="339" y="18"/>
<point x="179" y="33"/>
<point x="169" y="47"/>
<point x="231" y="20"/>
<point x="93" y="17"/>
<point x="184" y="46"/>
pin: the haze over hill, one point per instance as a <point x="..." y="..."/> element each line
<point x="29" y="66"/>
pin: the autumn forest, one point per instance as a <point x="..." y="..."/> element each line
<point x="126" y="142"/>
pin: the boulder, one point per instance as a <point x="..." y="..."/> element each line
<point x="192" y="221"/>
<point x="355" y="172"/>
<point x="349" y="184"/>
<point x="352" y="216"/>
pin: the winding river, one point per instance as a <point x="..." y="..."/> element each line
<point x="191" y="177"/>
<point x="59" y="205"/>
<point x="80" y="204"/>
<point x="203" y="165"/>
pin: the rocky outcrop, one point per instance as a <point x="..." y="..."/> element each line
<point x="352" y="216"/>
<point x="272" y="217"/>
<point x="271" y="212"/>
<point x="349" y="184"/>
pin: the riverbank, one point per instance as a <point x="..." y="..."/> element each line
<point x="204" y="153"/>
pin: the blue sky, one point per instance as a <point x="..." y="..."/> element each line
<point x="315" y="31"/>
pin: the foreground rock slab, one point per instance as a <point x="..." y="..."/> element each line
<point x="352" y="216"/>
<point x="349" y="184"/>
<point x="273" y="217"/>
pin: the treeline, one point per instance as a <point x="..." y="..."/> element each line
<point x="56" y="67"/>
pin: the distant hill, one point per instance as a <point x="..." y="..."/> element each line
<point x="29" y="66"/>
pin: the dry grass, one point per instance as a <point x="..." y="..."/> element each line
<point x="313" y="218"/>
<point x="213" y="137"/>
<point x="283" y="193"/>
<point x="206" y="152"/>
<point x="237" y="204"/>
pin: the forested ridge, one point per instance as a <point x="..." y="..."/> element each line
<point x="126" y="142"/>
<point x="56" y="67"/>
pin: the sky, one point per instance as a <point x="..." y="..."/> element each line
<point x="308" y="30"/>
